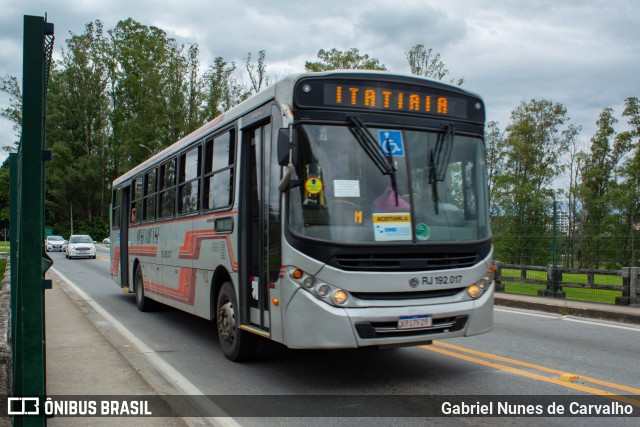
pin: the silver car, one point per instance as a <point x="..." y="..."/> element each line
<point x="54" y="243"/>
<point x="81" y="246"/>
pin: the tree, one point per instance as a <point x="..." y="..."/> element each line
<point x="257" y="72"/>
<point x="598" y="188"/>
<point x="630" y="173"/>
<point x="532" y="152"/>
<point x="343" y="60"/>
<point x="494" y="141"/>
<point x="13" y="113"/>
<point x="222" y="91"/>
<point x="144" y="58"/>
<point x="576" y="160"/>
<point x="77" y="125"/>
<point x="196" y="95"/>
<point x="426" y="63"/>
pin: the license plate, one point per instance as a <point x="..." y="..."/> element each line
<point x="412" y="322"/>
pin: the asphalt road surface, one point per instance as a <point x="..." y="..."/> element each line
<point x="533" y="355"/>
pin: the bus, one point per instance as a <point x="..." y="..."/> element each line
<point x="331" y="210"/>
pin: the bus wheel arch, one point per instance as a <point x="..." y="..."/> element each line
<point x="220" y="277"/>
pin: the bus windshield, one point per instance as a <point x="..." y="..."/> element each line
<point x="430" y="188"/>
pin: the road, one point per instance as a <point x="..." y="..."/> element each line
<point x="527" y="354"/>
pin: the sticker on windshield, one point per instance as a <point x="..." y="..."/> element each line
<point x="388" y="227"/>
<point x="346" y="188"/>
<point x="422" y="231"/>
<point x="313" y="185"/>
<point x="391" y="142"/>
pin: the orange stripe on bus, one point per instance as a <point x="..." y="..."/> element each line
<point x="186" y="291"/>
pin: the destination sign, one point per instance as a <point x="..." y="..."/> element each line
<point x="388" y="96"/>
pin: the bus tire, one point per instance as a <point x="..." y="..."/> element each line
<point x="237" y="345"/>
<point x="143" y="303"/>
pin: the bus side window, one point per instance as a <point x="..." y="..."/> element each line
<point x="150" y="189"/>
<point x="136" y="204"/>
<point x="218" y="171"/>
<point x="117" y="201"/>
<point x="167" y="189"/>
<point x="189" y="181"/>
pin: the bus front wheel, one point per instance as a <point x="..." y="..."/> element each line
<point x="237" y="345"/>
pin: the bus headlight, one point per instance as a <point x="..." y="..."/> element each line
<point x="339" y="297"/>
<point x="308" y="282"/>
<point x="474" y="291"/>
<point x="321" y="290"/>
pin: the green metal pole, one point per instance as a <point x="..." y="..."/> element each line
<point x="30" y="379"/>
<point x="13" y="260"/>
<point x="554" y="278"/>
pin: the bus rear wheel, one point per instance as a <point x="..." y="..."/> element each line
<point x="237" y="345"/>
<point x="143" y="303"/>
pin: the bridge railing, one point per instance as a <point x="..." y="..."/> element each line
<point x="604" y="286"/>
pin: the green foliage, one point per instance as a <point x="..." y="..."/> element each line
<point x="222" y="91"/>
<point x="426" y="63"/>
<point x="603" y="207"/>
<point x="343" y="60"/>
<point x="9" y="85"/>
<point x="98" y="229"/>
<point x="530" y="160"/>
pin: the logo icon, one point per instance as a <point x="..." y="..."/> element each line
<point x="414" y="282"/>
<point x="23" y="406"/>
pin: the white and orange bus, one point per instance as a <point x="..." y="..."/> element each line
<point x="331" y="210"/>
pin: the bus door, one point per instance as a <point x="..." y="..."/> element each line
<point x="124" y="237"/>
<point x="255" y="234"/>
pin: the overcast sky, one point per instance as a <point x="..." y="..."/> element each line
<point x="582" y="54"/>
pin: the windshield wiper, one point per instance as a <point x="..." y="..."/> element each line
<point x="439" y="161"/>
<point x="370" y="146"/>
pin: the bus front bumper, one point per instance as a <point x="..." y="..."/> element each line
<point x="312" y="323"/>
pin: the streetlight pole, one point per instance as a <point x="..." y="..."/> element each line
<point x="150" y="150"/>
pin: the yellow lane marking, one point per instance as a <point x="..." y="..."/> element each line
<point x="532" y="375"/>
<point x="103" y="258"/>
<point x="563" y="374"/>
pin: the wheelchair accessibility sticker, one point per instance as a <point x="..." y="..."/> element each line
<point x="391" y="142"/>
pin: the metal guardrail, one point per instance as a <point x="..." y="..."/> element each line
<point x="607" y="286"/>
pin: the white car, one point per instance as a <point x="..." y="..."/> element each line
<point x="107" y="241"/>
<point x="54" y="243"/>
<point x="81" y="246"/>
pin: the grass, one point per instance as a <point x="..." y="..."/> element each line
<point x="4" y="246"/>
<point x="578" y="294"/>
<point x="3" y="264"/>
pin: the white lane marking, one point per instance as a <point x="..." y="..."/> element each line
<point x="169" y="372"/>
<point x="546" y="316"/>
<point x="571" y="319"/>
<point x="608" y="325"/>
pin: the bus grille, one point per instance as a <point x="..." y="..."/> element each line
<point x="390" y="329"/>
<point x="404" y="262"/>
<point x="436" y="293"/>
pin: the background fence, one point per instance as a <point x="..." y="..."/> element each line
<point x="604" y="286"/>
<point x="547" y="250"/>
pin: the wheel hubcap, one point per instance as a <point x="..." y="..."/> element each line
<point x="226" y="322"/>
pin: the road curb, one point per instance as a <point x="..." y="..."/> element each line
<point x="622" y="314"/>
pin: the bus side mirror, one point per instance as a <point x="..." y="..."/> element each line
<point x="286" y="141"/>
